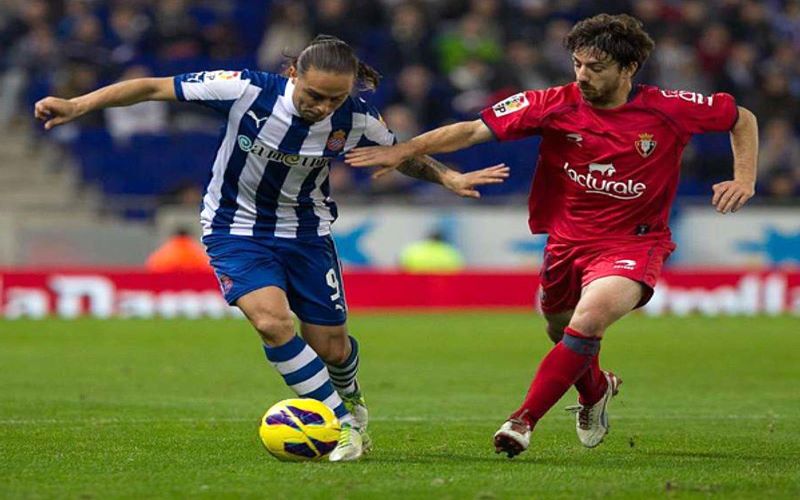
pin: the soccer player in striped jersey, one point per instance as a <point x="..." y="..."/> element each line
<point x="267" y="210"/>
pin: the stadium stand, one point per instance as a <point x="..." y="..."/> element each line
<point x="442" y="60"/>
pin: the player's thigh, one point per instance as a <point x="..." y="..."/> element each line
<point x="331" y="343"/>
<point x="252" y="277"/>
<point x="556" y="322"/>
<point x="604" y="301"/>
<point x="314" y="281"/>
<point x="268" y="311"/>
<point x="560" y="279"/>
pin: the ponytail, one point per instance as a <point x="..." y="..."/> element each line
<point x="328" y="53"/>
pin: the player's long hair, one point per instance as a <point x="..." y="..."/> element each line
<point x="621" y="37"/>
<point x="328" y="53"/>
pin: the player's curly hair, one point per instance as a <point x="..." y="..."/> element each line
<point x="621" y="37"/>
<point x="328" y="53"/>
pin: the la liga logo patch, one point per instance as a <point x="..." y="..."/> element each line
<point x="511" y="104"/>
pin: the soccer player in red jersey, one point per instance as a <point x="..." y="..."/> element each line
<point x="606" y="177"/>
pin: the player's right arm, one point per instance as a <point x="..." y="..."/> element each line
<point x="441" y="140"/>
<point x="54" y="111"/>
<point x="515" y="117"/>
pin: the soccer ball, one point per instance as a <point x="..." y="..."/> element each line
<point x="299" y="429"/>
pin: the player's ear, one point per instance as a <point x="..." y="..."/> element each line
<point x="292" y="72"/>
<point x="630" y="70"/>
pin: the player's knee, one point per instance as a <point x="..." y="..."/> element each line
<point x="590" y="323"/>
<point x="273" y="329"/>
<point x="337" y="353"/>
<point x="336" y="349"/>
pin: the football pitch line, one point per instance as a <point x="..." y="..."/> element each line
<point x="399" y="419"/>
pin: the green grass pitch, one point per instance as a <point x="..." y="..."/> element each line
<point x="168" y="409"/>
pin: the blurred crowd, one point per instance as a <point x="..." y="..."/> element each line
<point x="442" y="60"/>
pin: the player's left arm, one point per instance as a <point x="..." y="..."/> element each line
<point x="431" y="170"/>
<point x="730" y="196"/>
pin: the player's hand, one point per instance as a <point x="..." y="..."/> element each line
<point x="464" y="184"/>
<point x="730" y="196"/>
<point x="386" y="157"/>
<point x="54" y="111"/>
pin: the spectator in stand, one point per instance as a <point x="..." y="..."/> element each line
<point x="675" y="66"/>
<point x="180" y="253"/>
<point x="288" y="33"/>
<point x="149" y="117"/>
<point x="775" y="99"/>
<point x="525" y="63"/>
<point x="176" y="33"/>
<point x="553" y="51"/>
<point x="779" y="160"/>
<point x="740" y="74"/>
<point x="713" y="49"/>
<point x="472" y="38"/>
<point x="335" y="17"/>
<point x="409" y="39"/>
<point x="784" y="60"/>
<point x="128" y="29"/>
<point x="86" y="45"/>
<point x="416" y="87"/>
<point x="17" y="42"/>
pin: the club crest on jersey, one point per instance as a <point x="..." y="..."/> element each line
<point x="645" y="145"/>
<point x="225" y="283"/>
<point x="336" y="140"/>
<point x="511" y="104"/>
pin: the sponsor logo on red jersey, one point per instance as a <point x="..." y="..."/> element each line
<point x="598" y="181"/>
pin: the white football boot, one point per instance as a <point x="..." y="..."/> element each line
<point x="591" y="421"/>
<point x="357" y="407"/>
<point x="349" y="446"/>
<point x="513" y="437"/>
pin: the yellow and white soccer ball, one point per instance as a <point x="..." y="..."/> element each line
<point x="299" y="429"/>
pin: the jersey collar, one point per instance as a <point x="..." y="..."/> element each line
<point x="287" y="98"/>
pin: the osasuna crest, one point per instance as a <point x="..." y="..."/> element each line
<point x="336" y="140"/>
<point x="511" y="104"/>
<point x="645" y="145"/>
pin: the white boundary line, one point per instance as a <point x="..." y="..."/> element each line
<point x="399" y="419"/>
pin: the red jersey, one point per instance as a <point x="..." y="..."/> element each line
<point x="607" y="173"/>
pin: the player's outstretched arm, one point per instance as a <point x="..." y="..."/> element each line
<point x="730" y="196"/>
<point x="441" y="140"/>
<point x="431" y="170"/>
<point x="54" y="111"/>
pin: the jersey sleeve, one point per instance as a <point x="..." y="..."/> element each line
<point x="697" y="113"/>
<point x="215" y="89"/>
<point x="517" y="116"/>
<point x="376" y="132"/>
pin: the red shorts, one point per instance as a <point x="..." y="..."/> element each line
<point x="567" y="268"/>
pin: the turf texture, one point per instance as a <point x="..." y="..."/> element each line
<point x="90" y="409"/>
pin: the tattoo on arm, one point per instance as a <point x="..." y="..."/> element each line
<point x="425" y="168"/>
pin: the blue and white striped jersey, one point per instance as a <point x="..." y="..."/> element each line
<point x="270" y="175"/>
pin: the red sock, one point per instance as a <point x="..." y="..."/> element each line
<point x="559" y="370"/>
<point x="592" y="384"/>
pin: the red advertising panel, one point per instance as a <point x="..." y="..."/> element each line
<point x="107" y="293"/>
